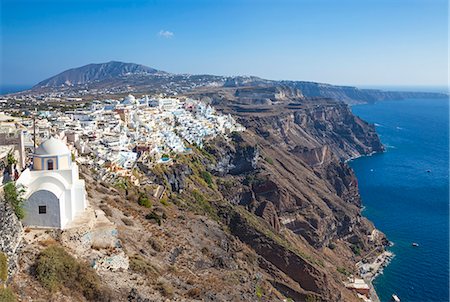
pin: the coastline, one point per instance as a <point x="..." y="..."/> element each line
<point x="371" y="270"/>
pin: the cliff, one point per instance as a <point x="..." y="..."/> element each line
<point x="269" y="214"/>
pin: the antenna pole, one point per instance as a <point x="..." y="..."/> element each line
<point x="34" y="133"/>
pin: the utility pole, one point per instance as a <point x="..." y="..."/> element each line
<point x="34" y="133"/>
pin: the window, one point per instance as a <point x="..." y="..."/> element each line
<point x="42" y="209"/>
<point x="50" y="165"/>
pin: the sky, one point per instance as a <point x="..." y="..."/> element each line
<point x="347" y="42"/>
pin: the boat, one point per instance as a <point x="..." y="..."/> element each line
<point x="395" y="298"/>
<point x="428" y="171"/>
<point x="415" y="244"/>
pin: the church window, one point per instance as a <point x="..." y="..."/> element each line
<point x="42" y="209"/>
<point x="50" y="164"/>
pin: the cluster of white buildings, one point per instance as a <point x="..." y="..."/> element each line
<point x="118" y="133"/>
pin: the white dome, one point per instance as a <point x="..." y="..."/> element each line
<point x="129" y="100"/>
<point x="52" y="146"/>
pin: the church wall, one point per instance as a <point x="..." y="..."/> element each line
<point x="37" y="163"/>
<point x="63" y="162"/>
<point x="51" y="217"/>
<point x="67" y="214"/>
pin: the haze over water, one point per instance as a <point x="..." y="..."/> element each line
<point x="405" y="201"/>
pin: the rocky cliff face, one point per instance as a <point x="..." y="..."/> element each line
<point x="11" y="234"/>
<point x="289" y="168"/>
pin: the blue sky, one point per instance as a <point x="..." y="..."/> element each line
<point x="355" y="42"/>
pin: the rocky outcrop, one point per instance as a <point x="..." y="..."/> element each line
<point x="312" y="279"/>
<point x="11" y="234"/>
<point x="299" y="176"/>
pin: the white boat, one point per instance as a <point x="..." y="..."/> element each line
<point x="395" y="298"/>
<point x="415" y="244"/>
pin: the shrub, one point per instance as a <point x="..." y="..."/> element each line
<point x="14" y="197"/>
<point x="139" y="265"/>
<point x="154" y="216"/>
<point x="343" y="271"/>
<point x="331" y="246"/>
<point x="311" y="298"/>
<point x="164" y="201"/>
<point x="55" y="268"/>
<point x="7" y="295"/>
<point x="269" y="160"/>
<point x="356" y="249"/>
<point x="3" y="267"/>
<point x="11" y="159"/>
<point x="154" y="243"/>
<point x="258" y="292"/>
<point x="165" y="288"/>
<point x="203" y="203"/>
<point x="207" y="177"/>
<point x="144" y="201"/>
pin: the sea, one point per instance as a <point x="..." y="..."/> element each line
<point x="405" y="193"/>
<point x="5" y="89"/>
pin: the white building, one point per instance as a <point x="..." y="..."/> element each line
<point x="54" y="194"/>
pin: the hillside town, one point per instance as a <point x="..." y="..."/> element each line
<point x="118" y="133"/>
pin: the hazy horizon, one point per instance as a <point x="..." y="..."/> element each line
<point x="370" y="43"/>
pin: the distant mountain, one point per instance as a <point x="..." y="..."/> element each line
<point x="119" y="78"/>
<point x="352" y="95"/>
<point x="96" y="73"/>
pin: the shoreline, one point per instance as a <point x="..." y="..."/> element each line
<point x="371" y="270"/>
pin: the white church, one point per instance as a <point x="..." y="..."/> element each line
<point x="54" y="193"/>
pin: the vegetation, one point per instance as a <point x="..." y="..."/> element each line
<point x="56" y="269"/>
<point x="203" y="204"/>
<point x="343" y="271"/>
<point x="11" y="159"/>
<point x="164" y="201"/>
<point x="156" y="217"/>
<point x="311" y="298"/>
<point x="269" y="160"/>
<point x="143" y="200"/>
<point x="263" y="227"/>
<point x="258" y="292"/>
<point x="7" y="295"/>
<point x="14" y="197"/>
<point x="207" y="178"/>
<point x="3" y="267"/>
<point x="154" y="243"/>
<point x="165" y="288"/>
<point x="141" y="266"/>
<point x="356" y="249"/>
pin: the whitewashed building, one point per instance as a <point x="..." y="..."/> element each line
<point x="54" y="193"/>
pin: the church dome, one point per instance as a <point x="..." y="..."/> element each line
<point x="52" y="146"/>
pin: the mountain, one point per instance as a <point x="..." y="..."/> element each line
<point x="96" y="73"/>
<point x="122" y="78"/>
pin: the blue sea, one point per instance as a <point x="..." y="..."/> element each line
<point x="405" y="192"/>
<point x="5" y="89"/>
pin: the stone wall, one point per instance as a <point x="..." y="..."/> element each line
<point x="11" y="234"/>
